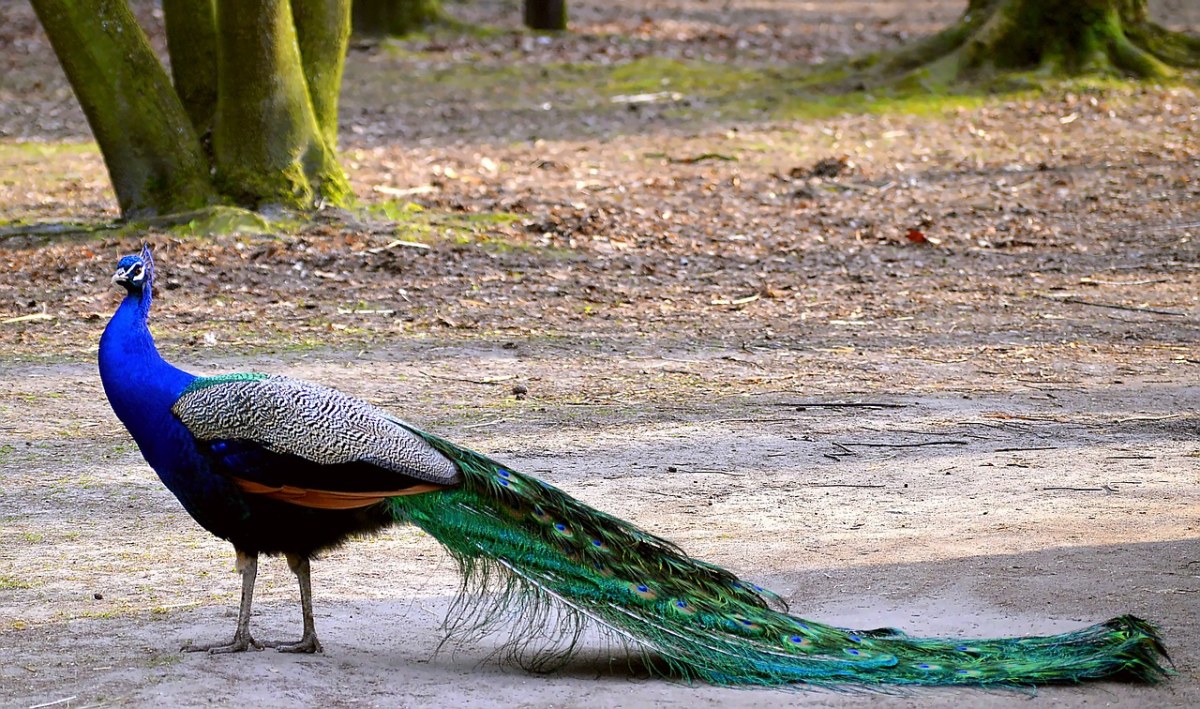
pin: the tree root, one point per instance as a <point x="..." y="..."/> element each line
<point x="997" y="39"/>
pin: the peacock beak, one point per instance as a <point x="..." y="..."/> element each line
<point x="127" y="277"/>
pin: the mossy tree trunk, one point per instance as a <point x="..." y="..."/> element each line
<point x="1051" y="36"/>
<point x="323" y="32"/>
<point x="250" y="119"/>
<point x="268" y="145"/>
<point x="546" y="14"/>
<point x="192" y="44"/>
<point x="153" y="155"/>
<point x="395" y="18"/>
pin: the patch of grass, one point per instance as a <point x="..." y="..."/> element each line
<point x="709" y="90"/>
<point x="27" y="150"/>
<point x="164" y="659"/>
<point x="212" y="221"/>
<point x="415" y="223"/>
<point x="817" y="105"/>
<point x="8" y="583"/>
<point x="697" y="78"/>
<point x="92" y="615"/>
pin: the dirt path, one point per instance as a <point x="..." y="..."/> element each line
<point x="1024" y="508"/>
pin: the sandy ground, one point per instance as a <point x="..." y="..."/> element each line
<point x="981" y="508"/>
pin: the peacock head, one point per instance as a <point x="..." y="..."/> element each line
<point x="135" y="273"/>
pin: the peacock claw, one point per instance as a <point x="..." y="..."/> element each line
<point x="308" y="643"/>
<point x="238" y="644"/>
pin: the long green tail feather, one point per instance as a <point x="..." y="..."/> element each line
<point x="554" y="559"/>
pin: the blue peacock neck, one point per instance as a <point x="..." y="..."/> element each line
<point x="139" y="383"/>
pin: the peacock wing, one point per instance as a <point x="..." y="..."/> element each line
<point x="307" y="444"/>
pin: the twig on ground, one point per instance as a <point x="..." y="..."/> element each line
<point x="702" y="157"/>
<point x="1102" y="488"/>
<point x="1144" y="282"/>
<point x="490" y="381"/>
<point x="1114" y="306"/>
<point x="1029" y="448"/>
<point x="735" y="301"/>
<point x="481" y="424"/>
<point x="701" y="471"/>
<point x="839" y="405"/>
<point x="1149" y="418"/>
<point x="843" y="485"/>
<point x="399" y="242"/>
<point x="844" y="449"/>
<point x="32" y="317"/>
<point x="56" y="229"/>
<point x="911" y="445"/>
<point x="790" y="419"/>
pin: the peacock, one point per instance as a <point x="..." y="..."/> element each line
<point x="279" y="466"/>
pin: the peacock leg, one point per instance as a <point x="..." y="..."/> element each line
<point x="308" y="642"/>
<point x="247" y="564"/>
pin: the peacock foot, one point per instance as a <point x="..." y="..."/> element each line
<point x="241" y="643"/>
<point x="308" y="643"/>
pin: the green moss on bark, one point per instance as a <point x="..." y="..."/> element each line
<point x="267" y="144"/>
<point x="192" y="43"/>
<point x="153" y="156"/>
<point x="996" y="37"/>
<point x="323" y="32"/>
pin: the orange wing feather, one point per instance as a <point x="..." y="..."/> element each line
<point x="329" y="499"/>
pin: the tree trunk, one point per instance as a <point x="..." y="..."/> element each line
<point x="152" y="153"/>
<point x="192" y="43"/>
<point x="546" y="14"/>
<point x="268" y="147"/>
<point x="251" y="118"/>
<point x="323" y="32"/>
<point x="395" y="18"/>
<point x="1047" y="36"/>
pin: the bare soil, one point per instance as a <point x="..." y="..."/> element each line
<point x="692" y="293"/>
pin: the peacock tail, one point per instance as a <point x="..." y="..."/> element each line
<point x="553" y="558"/>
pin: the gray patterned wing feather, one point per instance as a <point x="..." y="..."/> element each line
<point x="313" y="422"/>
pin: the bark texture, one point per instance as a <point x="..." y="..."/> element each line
<point x="268" y="147"/>
<point x="150" y="149"/>
<point x="546" y="14"/>
<point x="1049" y="36"/>
<point x="323" y="32"/>
<point x="192" y="43"/>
